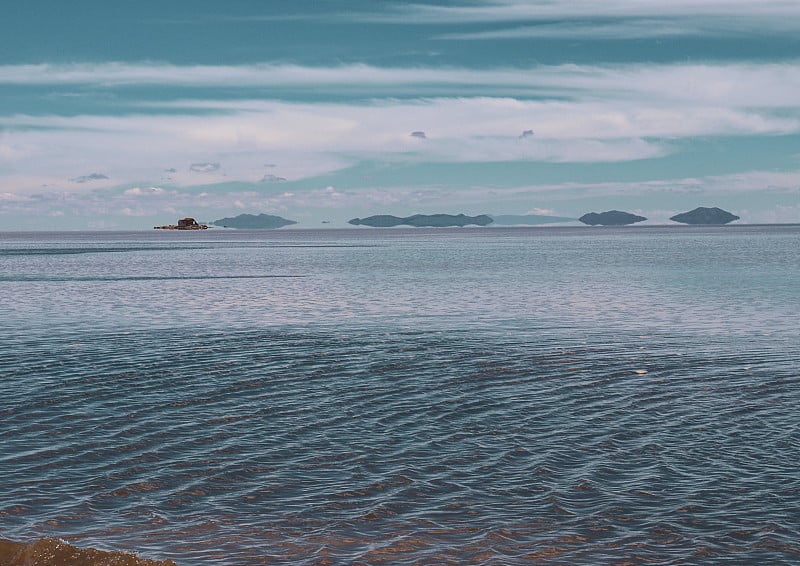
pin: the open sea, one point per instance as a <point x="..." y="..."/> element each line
<point x="405" y="396"/>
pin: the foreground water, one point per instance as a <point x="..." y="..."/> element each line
<point x="502" y="396"/>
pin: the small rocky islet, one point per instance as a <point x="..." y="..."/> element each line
<point x="187" y="223"/>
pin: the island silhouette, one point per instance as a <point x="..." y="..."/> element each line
<point x="254" y="222"/>
<point x="610" y="218"/>
<point x="704" y="215"/>
<point x="698" y="216"/>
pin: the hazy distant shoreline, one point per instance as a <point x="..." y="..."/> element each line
<point x="411" y="229"/>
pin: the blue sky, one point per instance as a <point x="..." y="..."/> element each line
<point x="122" y="115"/>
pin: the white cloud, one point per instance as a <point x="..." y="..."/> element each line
<point x="243" y="76"/>
<point x="139" y="191"/>
<point x="9" y="152"/>
<point x="216" y="202"/>
<point x="592" y="19"/>
<point x="311" y="139"/>
<point x="595" y="114"/>
<point x="776" y="11"/>
<point x="204" y="167"/>
<point x="613" y="30"/>
<point x="649" y="110"/>
<point x="723" y="16"/>
<point x="727" y="85"/>
<point x="12" y="197"/>
<point x="748" y="182"/>
<point x="780" y="214"/>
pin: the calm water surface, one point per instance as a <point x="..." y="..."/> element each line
<point x="494" y="396"/>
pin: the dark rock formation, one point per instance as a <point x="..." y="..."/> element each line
<point x="254" y="222"/>
<point x="183" y="224"/>
<point x="703" y="215"/>
<point x="528" y="219"/>
<point x="610" y="218"/>
<point x="422" y="220"/>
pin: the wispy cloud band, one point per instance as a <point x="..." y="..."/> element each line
<point x="733" y="84"/>
<point x="537" y="10"/>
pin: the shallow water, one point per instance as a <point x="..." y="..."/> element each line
<point x="502" y="396"/>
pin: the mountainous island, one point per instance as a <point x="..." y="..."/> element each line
<point x="703" y="215"/>
<point x="422" y="220"/>
<point x="610" y="218"/>
<point x="528" y="219"/>
<point x="254" y="222"/>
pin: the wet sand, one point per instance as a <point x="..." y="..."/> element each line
<point x="52" y="552"/>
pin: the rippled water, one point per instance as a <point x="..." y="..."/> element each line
<point x="498" y="396"/>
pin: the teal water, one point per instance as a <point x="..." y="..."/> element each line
<point x="545" y="395"/>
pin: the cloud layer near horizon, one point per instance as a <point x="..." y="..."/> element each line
<point x="599" y="113"/>
<point x="114" y="126"/>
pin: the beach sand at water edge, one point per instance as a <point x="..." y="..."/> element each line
<point x="52" y="552"/>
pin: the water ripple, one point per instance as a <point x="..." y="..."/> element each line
<point x="404" y="397"/>
<point x="402" y="447"/>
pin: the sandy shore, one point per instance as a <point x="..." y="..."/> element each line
<point x="52" y="552"/>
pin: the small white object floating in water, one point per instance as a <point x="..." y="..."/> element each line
<point x="640" y="371"/>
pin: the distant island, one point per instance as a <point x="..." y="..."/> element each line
<point x="183" y="224"/>
<point x="254" y="222"/>
<point x="528" y="219"/>
<point x="610" y="218"/>
<point x="703" y="215"/>
<point x="422" y="220"/>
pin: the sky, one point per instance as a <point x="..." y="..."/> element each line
<point x="130" y="114"/>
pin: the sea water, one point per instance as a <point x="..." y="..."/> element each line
<point x="426" y="396"/>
